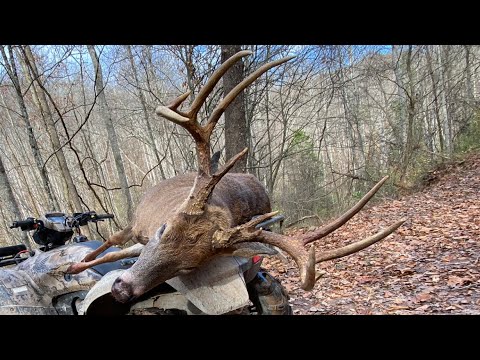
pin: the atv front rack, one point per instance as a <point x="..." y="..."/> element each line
<point x="10" y="255"/>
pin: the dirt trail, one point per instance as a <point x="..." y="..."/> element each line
<point x="431" y="265"/>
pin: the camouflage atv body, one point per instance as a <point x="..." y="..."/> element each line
<point x="39" y="285"/>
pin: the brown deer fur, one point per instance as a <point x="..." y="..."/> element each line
<point x="241" y="195"/>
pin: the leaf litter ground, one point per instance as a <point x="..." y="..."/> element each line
<point x="430" y="265"/>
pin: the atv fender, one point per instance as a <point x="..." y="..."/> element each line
<point x="215" y="288"/>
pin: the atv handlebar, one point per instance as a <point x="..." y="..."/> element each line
<point x="54" y="229"/>
<point x="105" y="216"/>
<point x="84" y="218"/>
<point x="77" y="219"/>
<point x="9" y="255"/>
<point x="28" y="224"/>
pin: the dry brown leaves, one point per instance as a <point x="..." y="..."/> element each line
<point x="428" y="266"/>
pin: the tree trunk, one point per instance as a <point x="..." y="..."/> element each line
<point x="20" y="153"/>
<point x="190" y="69"/>
<point x="32" y="195"/>
<point x="411" y="103"/>
<point x="435" y="100"/>
<point x="235" y="120"/>
<point x="447" y="109"/>
<point x="72" y="193"/>
<point x="468" y="72"/>
<point x="10" y="203"/>
<point x="112" y="135"/>
<point x="399" y="80"/>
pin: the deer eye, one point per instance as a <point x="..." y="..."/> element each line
<point x="159" y="233"/>
<point x="186" y="270"/>
<point x="162" y="229"/>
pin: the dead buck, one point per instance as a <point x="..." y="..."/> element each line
<point x="187" y="220"/>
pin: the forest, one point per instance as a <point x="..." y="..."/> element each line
<point x="79" y="130"/>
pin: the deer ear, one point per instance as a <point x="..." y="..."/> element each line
<point x="249" y="249"/>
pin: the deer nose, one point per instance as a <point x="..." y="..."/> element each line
<point x="122" y="290"/>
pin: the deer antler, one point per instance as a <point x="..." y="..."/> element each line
<point x="305" y="259"/>
<point x="205" y="181"/>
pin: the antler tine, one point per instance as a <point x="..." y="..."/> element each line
<point x="201" y="192"/>
<point x="181" y="118"/>
<point x="216" y="76"/>
<point x="176" y="103"/>
<point x="172" y="115"/>
<point x="220" y="108"/>
<point x="359" y="245"/>
<point x="329" y="228"/>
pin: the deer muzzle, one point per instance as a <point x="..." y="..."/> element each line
<point x="123" y="289"/>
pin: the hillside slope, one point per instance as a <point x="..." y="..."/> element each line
<point x="428" y="266"/>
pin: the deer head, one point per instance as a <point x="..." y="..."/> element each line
<point x="201" y="228"/>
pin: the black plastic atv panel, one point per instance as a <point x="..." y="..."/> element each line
<point x="11" y="250"/>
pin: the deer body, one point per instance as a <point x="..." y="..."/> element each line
<point x="240" y="196"/>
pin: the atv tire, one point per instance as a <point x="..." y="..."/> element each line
<point x="268" y="295"/>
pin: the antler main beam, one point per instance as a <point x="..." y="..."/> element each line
<point x="188" y="119"/>
<point x="216" y="76"/>
<point x="227" y="100"/>
<point x="327" y="229"/>
<point x="205" y="182"/>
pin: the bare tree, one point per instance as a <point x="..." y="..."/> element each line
<point x="235" y="121"/>
<point x="112" y="135"/>
<point x="9" y="201"/>
<point x="145" y="112"/>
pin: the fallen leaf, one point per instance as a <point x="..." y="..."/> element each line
<point x="423" y="297"/>
<point x="365" y="279"/>
<point x="423" y="308"/>
<point x="364" y="312"/>
<point x="454" y="280"/>
<point x="394" y="308"/>
<point x="406" y="271"/>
